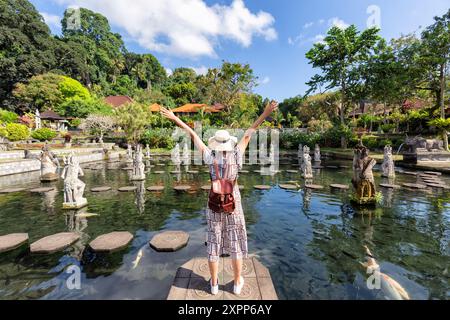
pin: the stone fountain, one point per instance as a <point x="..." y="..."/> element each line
<point x="73" y="186"/>
<point x="363" y="180"/>
<point x="147" y="152"/>
<point x="420" y="150"/>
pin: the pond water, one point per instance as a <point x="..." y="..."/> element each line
<point x="311" y="241"/>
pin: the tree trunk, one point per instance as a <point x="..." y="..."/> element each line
<point x="442" y="91"/>
<point x="445" y="137"/>
<point x="342" y="110"/>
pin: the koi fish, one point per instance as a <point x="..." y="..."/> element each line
<point x="391" y="288"/>
<point x="138" y="258"/>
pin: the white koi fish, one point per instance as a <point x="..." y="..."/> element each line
<point x="391" y="288"/>
<point x="138" y="258"/>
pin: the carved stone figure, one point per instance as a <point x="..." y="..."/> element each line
<point x="37" y="120"/>
<point x="73" y="186"/>
<point x="138" y="165"/>
<point x="300" y="152"/>
<point x="421" y="144"/>
<point x="306" y="164"/>
<point x="388" y="164"/>
<point x="129" y="156"/>
<point x="49" y="165"/>
<point x="175" y="155"/>
<point x="317" y="155"/>
<point x="363" y="180"/>
<point x="147" y="152"/>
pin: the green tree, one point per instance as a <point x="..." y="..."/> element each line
<point x="443" y="125"/>
<point x="134" y="119"/>
<point x="182" y="93"/>
<point x="339" y="57"/>
<point x="26" y="46"/>
<point x="8" y="116"/>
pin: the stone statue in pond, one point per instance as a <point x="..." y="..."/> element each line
<point x="317" y="155"/>
<point x="129" y="154"/>
<point x="388" y="164"/>
<point x="147" y="151"/>
<point x="138" y="165"/>
<point x="175" y="155"/>
<point x="363" y="180"/>
<point x="49" y="165"/>
<point x="73" y="186"/>
<point x="306" y="164"/>
<point x="186" y="157"/>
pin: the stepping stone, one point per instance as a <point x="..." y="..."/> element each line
<point x="41" y="190"/>
<point x="182" y="188"/>
<point x="160" y="172"/>
<point x="241" y="188"/>
<point x="410" y="173"/>
<point x="101" y="189"/>
<point x="288" y="186"/>
<point x="344" y="167"/>
<point x="339" y="186"/>
<point x="192" y="172"/>
<point x="192" y="281"/>
<point x="262" y="187"/>
<point x="127" y="189"/>
<point x="314" y="187"/>
<point x="206" y="187"/>
<point x="332" y="167"/>
<point x="243" y="171"/>
<point x="54" y="243"/>
<point x="156" y="188"/>
<point x="432" y="173"/>
<point x="437" y="186"/>
<point x="318" y="167"/>
<point x="175" y="172"/>
<point x="11" y="190"/>
<point x="161" y="165"/>
<point x="414" y="186"/>
<point x="257" y="171"/>
<point x="127" y="169"/>
<point x="389" y="186"/>
<point x="169" y="241"/>
<point x="111" y="242"/>
<point x="12" y="241"/>
<point x="292" y="171"/>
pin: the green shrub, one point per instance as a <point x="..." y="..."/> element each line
<point x="8" y="116"/>
<point x="370" y="142"/>
<point x="385" y="142"/>
<point x="44" y="134"/>
<point x="388" y="127"/>
<point x="291" y="139"/>
<point x="3" y="133"/>
<point x="17" y="132"/>
<point x="332" y="138"/>
<point x="158" y="138"/>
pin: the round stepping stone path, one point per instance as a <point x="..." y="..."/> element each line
<point x="127" y="189"/>
<point x="175" y="172"/>
<point x="318" y="167"/>
<point x="241" y="188"/>
<point x="101" y="189"/>
<point x="414" y="186"/>
<point x="292" y="171"/>
<point x="262" y="187"/>
<point x="288" y="186"/>
<point x="182" y="188"/>
<point x="41" y="190"/>
<point x="243" y="171"/>
<point x="160" y="164"/>
<point x="389" y="186"/>
<point x="156" y="188"/>
<point x="54" y="243"/>
<point x="11" y="190"/>
<point x="206" y="187"/>
<point x="192" y="172"/>
<point x="127" y="169"/>
<point x="332" y="167"/>
<point x="111" y="242"/>
<point x="160" y="172"/>
<point x="12" y="241"/>
<point x="169" y="241"/>
<point x="339" y="186"/>
<point x="437" y="186"/>
<point x="314" y="187"/>
<point x="409" y="173"/>
<point x="344" y="167"/>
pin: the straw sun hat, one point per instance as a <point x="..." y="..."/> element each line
<point x="222" y="141"/>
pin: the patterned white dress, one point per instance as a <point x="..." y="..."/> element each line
<point x="226" y="233"/>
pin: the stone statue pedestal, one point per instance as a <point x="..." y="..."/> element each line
<point x="49" y="177"/>
<point x="81" y="203"/>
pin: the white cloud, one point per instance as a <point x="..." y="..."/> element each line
<point x="51" y="19"/>
<point x="200" y="70"/>
<point x="319" y="38"/>
<point x="265" y="80"/>
<point x="169" y="71"/>
<point x="188" y="28"/>
<point x="308" y="25"/>
<point x="336" y="22"/>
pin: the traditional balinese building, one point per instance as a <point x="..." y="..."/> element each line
<point x="118" y="101"/>
<point x="193" y="109"/>
<point x="54" y="120"/>
<point x="155" y="108"/>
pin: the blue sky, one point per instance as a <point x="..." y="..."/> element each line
<point x="271" y="35"/>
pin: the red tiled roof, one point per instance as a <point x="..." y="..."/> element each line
<point x="195" y="108"/>
<point x="51" y="115"/>
<point x="117" y="101"/>
<point x="155" y="107"/>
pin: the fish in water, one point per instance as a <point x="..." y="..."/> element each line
<point x="391" y="288"/>
<point x="138" y="258"/>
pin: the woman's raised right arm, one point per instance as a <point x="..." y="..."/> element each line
<point x="197" y="141"/>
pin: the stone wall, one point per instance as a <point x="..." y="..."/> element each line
<point x="21" y="166"/>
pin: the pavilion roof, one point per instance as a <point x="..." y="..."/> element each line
<point x="51" y="115"/>
<point x="195" y="108"/>
<point x="117" y="101"/>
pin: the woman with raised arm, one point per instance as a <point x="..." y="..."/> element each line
<point x="226" y="232"/>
